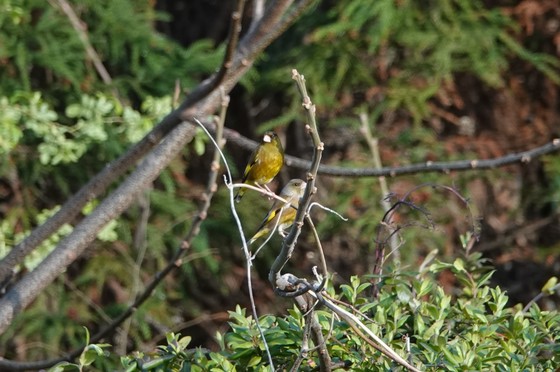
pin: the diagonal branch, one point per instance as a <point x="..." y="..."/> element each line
<point x="22" y="293"/>
<point x="97" y="185"/>
<point x="235" y="64"/>
<point x="72" y="246"/>
<point x="364" y="332"/>
<point x="174" y="263"/>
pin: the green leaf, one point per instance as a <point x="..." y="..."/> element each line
<point x="450" y="356"/>
<point x="426" y="287"/>
<point x="484" y="279"/>
<point x="347" y="292"/>
<point x="108" y="233"/>
<point x="550" y="286"/>
<point x="254" y="361"/>
<point x="419" y="325"/>
<point x="90" y="354"/>
<point x="433" y="329"/>
<point x="65" y="367"/>
<point x="459" y="265"/>
<point x="157" y="362"/>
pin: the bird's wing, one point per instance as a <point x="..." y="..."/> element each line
<point x="272" y="213"/>
<point x="276" y="209"/>
<point x="254" y="159"/>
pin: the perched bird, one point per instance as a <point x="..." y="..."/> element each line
<point x="264" y="164"/>
<point x="282" y="213"/>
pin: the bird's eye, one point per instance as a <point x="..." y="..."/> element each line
<point x="267" y="138"/>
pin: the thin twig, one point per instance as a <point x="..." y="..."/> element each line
<point x="386" y="222"/>
<point x="522" y="158"/>
<point x="270" y="234"/>
<point x="87" y="300"/>
<point x="365" y="333"/>
<point x="306" y="305"/>
<point x="248" y="258"/>
<point x="290" y="241"/>
<point x="328" y="210"/>
<point x="539" y="296"/>
<point x="373" y="144"/>
<point x="319" y="246"/>
<point x="352" y="307"/>
<point x="78" y="25"/>
<point x="140" y="245"/>
<point x="304" y="349"/>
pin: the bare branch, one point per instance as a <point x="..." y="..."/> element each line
<point x="306" y="304"/>
<point x="386" y="222"/>
<point x="365" y="333"/>
<point x="319" y="245"/>
<point x="140" y="244"/>
<point x="72" y="246"/>
<point x="430" y="167"/>
<point x="524" y="157"/>
<point x="542" y="294"/>
<point x="290" y="241"/>
<point x="373" y="144"/>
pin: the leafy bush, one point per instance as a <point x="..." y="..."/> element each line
<point x="468" y="329"/>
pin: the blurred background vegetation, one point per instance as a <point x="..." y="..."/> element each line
<point x="436" y="80"/>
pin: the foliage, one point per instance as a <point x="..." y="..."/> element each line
<point x="142" y="62"/>
<point x="392" y="55"/>
<point x="469" y="329"/>
<point x="96" y="128"/>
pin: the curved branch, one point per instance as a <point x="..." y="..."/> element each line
<point x="290" y="241"/>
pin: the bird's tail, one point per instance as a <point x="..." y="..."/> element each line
<point x="239" y="194"/>
<point x="260" y="233"/>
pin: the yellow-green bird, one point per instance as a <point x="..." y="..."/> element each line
<point x="282" y="214"/>
<point x="264" y="164"/>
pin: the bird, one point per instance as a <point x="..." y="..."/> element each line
<point x="282" y="214"/>
<point x="264" y="164"/>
